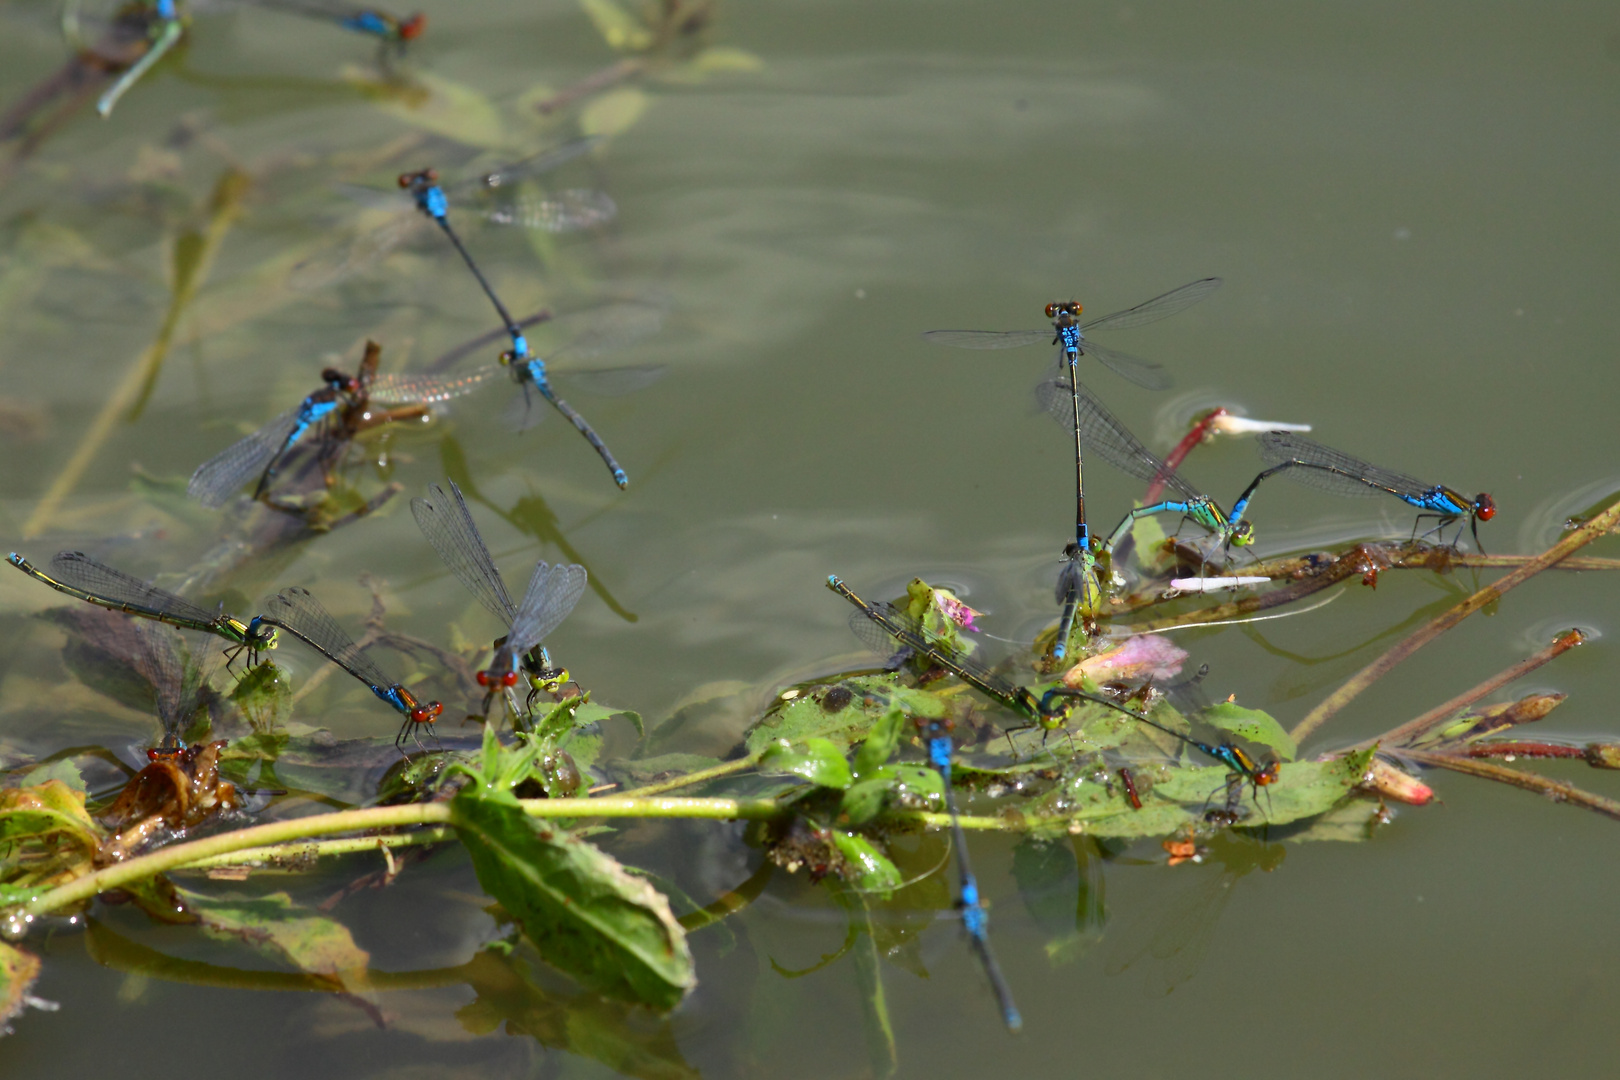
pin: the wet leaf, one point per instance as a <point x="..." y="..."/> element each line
<point x="881" y="743"/>
<point x="275" y="923"/>
<point x="19" y="971"/>
<point x="1253" y="725"/>
<point x="821" y="762"/>
<point x="1303" y="788"/>
<point x="46" y="836"/>
<point x="589" y="918"/>
<point x="868" y="700"/>
<point x="264" y="695"/>
<point x="869" y="870"/>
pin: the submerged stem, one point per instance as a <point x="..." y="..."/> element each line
<point x="1374" y="671"/>
<point x="1553" y="789"/>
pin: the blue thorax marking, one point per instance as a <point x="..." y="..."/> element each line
<point x="1069" y="337"/>
<point x="520" y="346"/>
<point x="367" y="22"/>
<point x="390" y="694"/>
<point x="433" y="203"/>
<point x="314" y="409"/>
<point x="939" y="756"/>
<point x="1439" y="500"/>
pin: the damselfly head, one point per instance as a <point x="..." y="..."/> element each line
<point x="425" y="714"/>
<point x="1265" y="776"/>
<point x="1243" y="533"/>
<point x="412" y="28"/>
<point x="412" y="179"/>
<point x="338" y="380"/>
<point x="549" y="681"/>
<point x="1484" y="507"/>
<point x="1062" y="307"/>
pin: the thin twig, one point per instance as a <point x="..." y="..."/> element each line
<point x="1412" y="729"/>
<point x="1553" y="789"/>
<point x="1374" y="671"/>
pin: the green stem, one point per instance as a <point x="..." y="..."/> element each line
<point x="674" y="783"/>
<point x="377" y="817"/>
<point x="1376" y="670"/>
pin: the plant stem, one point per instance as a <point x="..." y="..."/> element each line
<point x="377" y="817"/>
<point x="1374" y="671"/>
<point x="1553" y="789"/>
<point x="674" y="783"/>
<point x="1412" y="729"/>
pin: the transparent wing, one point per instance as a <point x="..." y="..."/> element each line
<point x="79" y="570"/>
<point x="300" y="614"/>
<point x="227" y="471"/>
<point x="1144" y="373"/>
<point x="1160" y="307"/>
<point x="559" y="212"/>
<point x="429" y="389"/>
<point x="989" y="339"/>
<point x="354" y="252"/>
<point x="448" y="526"/>
<point x="542" y="162"/>
<point x="606" y="328"/>
<point x="1282" y="447"/>
<point x="526" y="409"/>
<point x="1101" y="432"/>
<point x="611" y="382"/>
<point x="553" y="591"/>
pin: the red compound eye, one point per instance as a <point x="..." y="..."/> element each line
<point x="1484" y="507"/>
<point x="425" y="714"/>
<point x="509" y="679"/>
<point x="412" y="27"/>
<point x="483" y="678"/>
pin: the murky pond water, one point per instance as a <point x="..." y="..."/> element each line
<point x="1414" y="215"/>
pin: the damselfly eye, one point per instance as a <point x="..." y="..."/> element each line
<point x="1484" y="507"/>
<point x="426" y="714"/>
<point x="1051" y="310"/>
<point x="412" y="28"/>
<point x="509" y="679"/>
<point x="483" y="678"/>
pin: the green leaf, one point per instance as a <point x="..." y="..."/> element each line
<point x="860" y="703"/>
<point x="622" y="31"/>
<point x="591" y="713"/>
<point x="588" y="917"/>
<point x="265" y="697"/>
<point x="1253" y="725"/>
<point x="821" y="762"/>
<point x="310" y="942"/>
<point x="19" y="971"/>
<point x="881" y="743"/>
<point x="869" y="869"/>
<point x="61" y="770"/>
<point x="865" y="799"/>
<point x="613" y="113"/>
<point x="1303" y="789"/>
